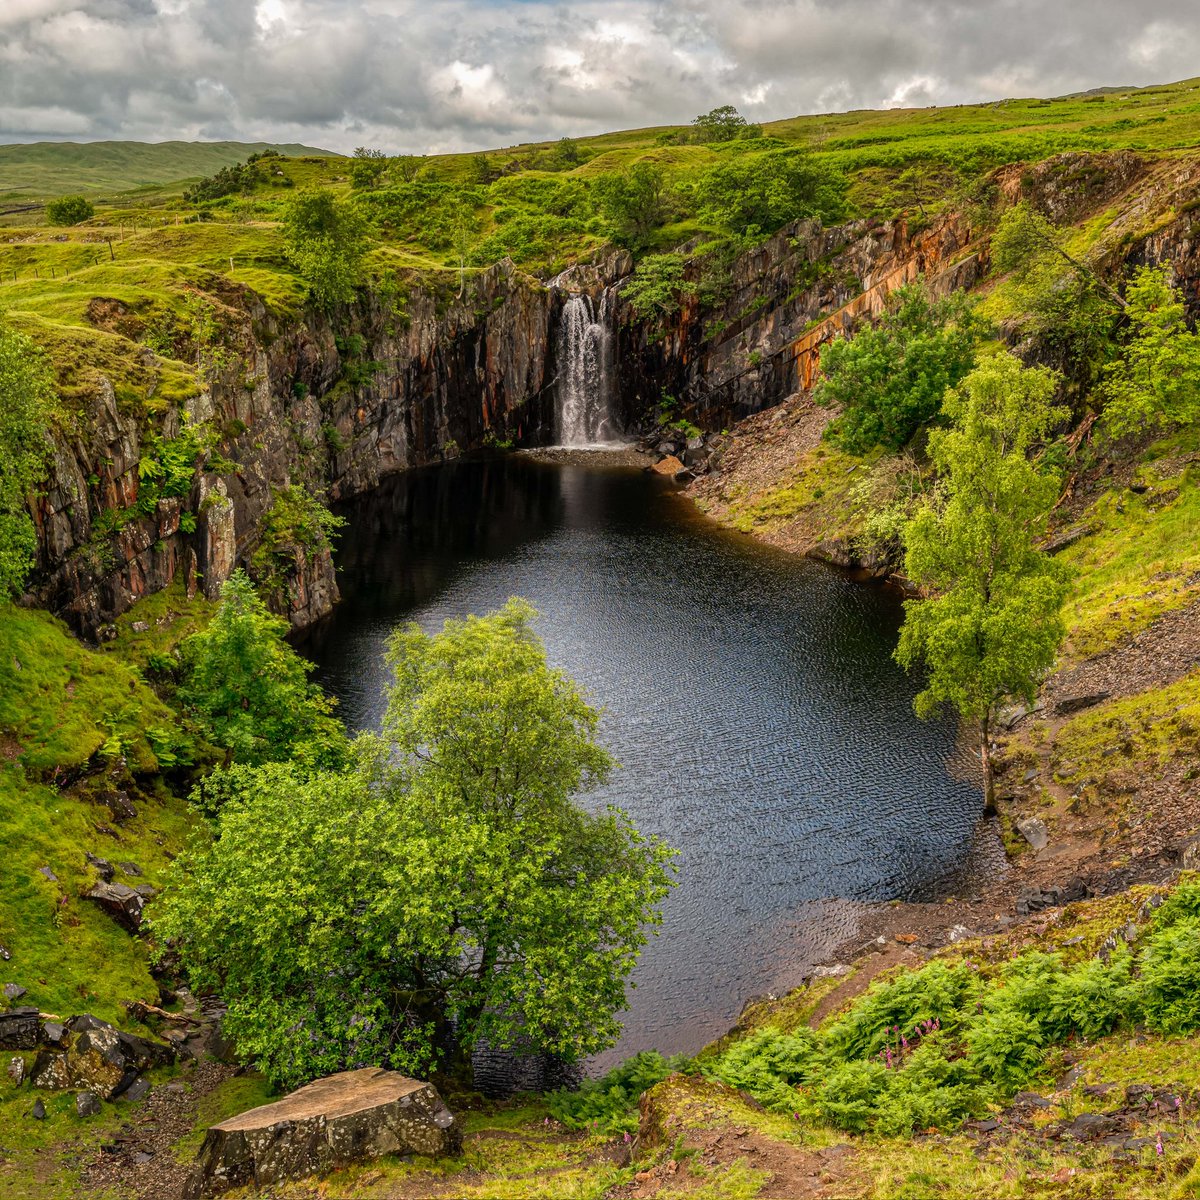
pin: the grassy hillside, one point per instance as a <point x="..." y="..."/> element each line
<point x="39" y="170"/>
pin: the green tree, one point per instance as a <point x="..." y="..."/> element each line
<point x="250" y="690"/>
<point x="566" y="154"/>
<point x="367" y="168"/>
<point x="445" y="889"/>
<point x="325" y="239"/>
<point x="754" y="195"/>
<point x="633" y="202"/>
<point x="989" y="623"/>
<point x="1063" y="301"/>
<point x="70" y="210"/>
<point x="722" y="124"/>
<point x="889" y="379"/>
<point x="27" y="398"/>
<point x="1156" y="381"/>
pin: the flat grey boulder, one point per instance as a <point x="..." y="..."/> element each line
<point x="342" y="1119"/>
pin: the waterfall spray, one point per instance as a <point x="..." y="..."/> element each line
<point x="585" y="375"/>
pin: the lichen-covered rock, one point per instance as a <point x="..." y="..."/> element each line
<point x="19" y="1029"/>
<point x="343" y="1119"/>
<point x="122" y="903"/>
<point x="92" y="1055"/>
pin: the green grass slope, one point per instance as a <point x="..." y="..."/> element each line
<point x="77" y="726"/>
<point x="39" y="170"/>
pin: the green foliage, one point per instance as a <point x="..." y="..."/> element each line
<point x="325" y="239"/>
<point x="889" y="379"/>
<point x="296" y="529"/>
<point x="656" y="285"/>
<point x="458" y="893"/>
<point x="70" y="210"/>
<point x="237" y="179"/>
<point x="753" y="195"/>
<point x="938" y="992"/>
<point x="27" y="400"/>
<point x="368" y="168"/>
<point x="608" y="1105"/>
<point x="769" y="1065"/>
<point x="722" y="124"/>
<point x="1060" y="297"/>
<point x="990" y="623"/>
<point x="567" y="154"/>
<point x="633" y="202"/>
<point x="1170" y="974"/>
<point x="250" y="690"/>
<point x="1156" y="381"/>
<point x="930" y="1048"/>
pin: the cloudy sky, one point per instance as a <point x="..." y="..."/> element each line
<point x="432" y="75"/>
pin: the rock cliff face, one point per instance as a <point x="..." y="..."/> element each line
<point x="334" y="402"/>
<point x="786" y="299"/>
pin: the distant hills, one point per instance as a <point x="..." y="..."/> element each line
<point x="40" y="170"/>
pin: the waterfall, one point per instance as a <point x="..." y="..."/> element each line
<point x="584" y="374"/>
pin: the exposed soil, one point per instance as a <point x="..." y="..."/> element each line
<point x="139" y="1161"/>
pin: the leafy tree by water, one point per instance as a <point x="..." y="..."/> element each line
<point x="70" y="210"/>
<point x="250" y="690"/>
<point x="26" y="398"/>
<point x="989" y="624"/>
<point x="1156" y="382"/>
<point x="889" y="379"/>
<point x="442" y="890"/>
<point x="325" y="239"/>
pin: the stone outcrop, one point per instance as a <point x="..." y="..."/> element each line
<point x="336" y="401"/>
<point x="19" y="1029"/>
<point x="786" y="299"/>
<point x="331" y="401"/>
<point x="92" y="1055"/>
<point x="343" y="1119"/>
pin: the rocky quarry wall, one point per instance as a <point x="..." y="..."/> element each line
<point x="452" y="374"/>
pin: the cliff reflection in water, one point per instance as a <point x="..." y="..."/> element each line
<point x="750" y="697"/>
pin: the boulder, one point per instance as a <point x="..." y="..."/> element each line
<point x="87" y="1104"/>
<point x="16" y="1070"/>
<point x="94" y="1056"/>
<point x="103" y="867"/>
<point x="13" y="991"/>
<point x="19" y="1029"/>
<point x="668" y="466"/>
<point x="1034" y="831"/>
<point x="122" y="903"/>
<point x="1074" y="704"/>
<point x="334" y="1122"/>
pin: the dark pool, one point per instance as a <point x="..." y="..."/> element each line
<point x="751" y="699"/>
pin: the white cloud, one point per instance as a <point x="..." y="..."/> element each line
<point x="463" y="74"/>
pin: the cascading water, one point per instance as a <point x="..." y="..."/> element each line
<point x="585" y="376"/>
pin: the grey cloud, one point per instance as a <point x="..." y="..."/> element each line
<point x="461" y="74"/>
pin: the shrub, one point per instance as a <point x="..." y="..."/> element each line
<point x="70" y="210"/>
<point x="609" y="1104"/>
<point x="1170" y="977"/>
<point x="768" y="1064"/>
<point x="894" y="1009"/>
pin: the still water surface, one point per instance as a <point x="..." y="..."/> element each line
<point x="750" y="697"/>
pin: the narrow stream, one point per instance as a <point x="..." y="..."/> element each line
<point x="750" y="697"/>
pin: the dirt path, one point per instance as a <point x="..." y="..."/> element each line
<point x="140" y="1161"/>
